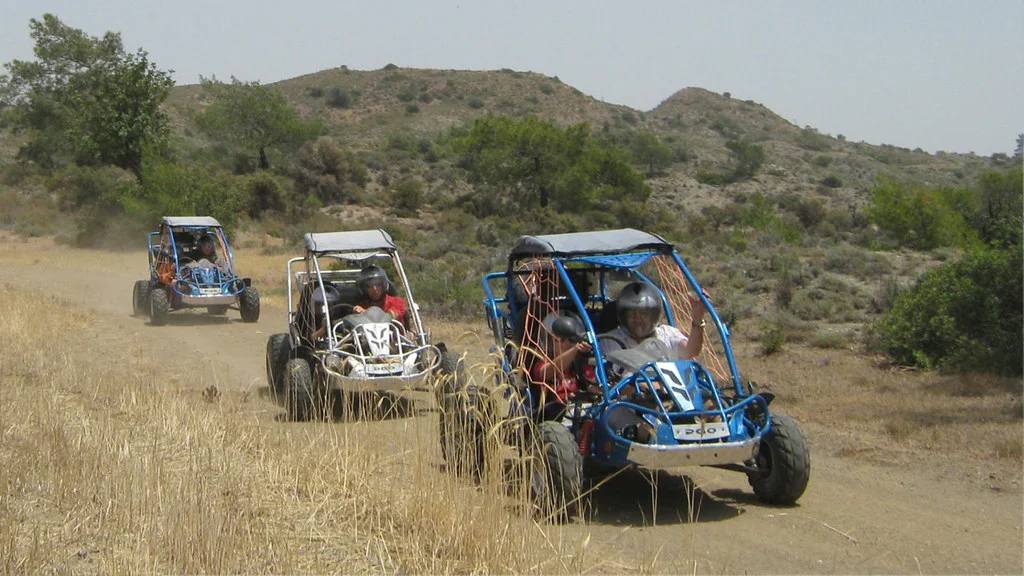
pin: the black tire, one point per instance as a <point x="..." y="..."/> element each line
<point x="217" y="310"/>
<point x="279" y="351"/>
<point x="784" y="463"/>
<point x="463" y="421"/>
<point x="303" y="401"/>
<point x="159" y="306"/>
<point x="558" y="479"/>
<point x="249" y="304"/>
<point x="140" y="298"/>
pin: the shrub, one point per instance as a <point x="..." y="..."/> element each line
<point x="810" y="139"/>
<point x="773" y="335"/>
<point x="832" y="181"/>
<point x="339" y="97"/>
<point x="476" y="103"/>
<point x="822" y="161"/>
<point x="412" y="108"/>
<point x="546" y="89"/>
<point x="962" y="316"/>
<point x="710" y="178"/>
<point x="408" y="93"/>
<point x="407" y="197"/>
<point x="315" y="91"/>
<point x="750" y="157"/>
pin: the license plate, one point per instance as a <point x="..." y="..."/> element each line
<point x="697" y="432"/>
<point x="209" y="291"/>
<point x="394" y="368"/>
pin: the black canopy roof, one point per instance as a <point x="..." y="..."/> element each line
<point x="588" y="243"/>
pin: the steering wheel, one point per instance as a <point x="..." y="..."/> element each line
<point x="339" y="311"/>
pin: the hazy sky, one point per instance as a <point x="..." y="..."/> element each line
<point x="940" y="75"/>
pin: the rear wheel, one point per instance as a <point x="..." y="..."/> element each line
<point x="159" y="306"/>
<point x="463" y="419"/>
<point x="140" y="298"/>
<point x="558" y="476"/>
<point x="783" y="462"/>
<point x="249" y="304"/>
<point x="279" y="350"/>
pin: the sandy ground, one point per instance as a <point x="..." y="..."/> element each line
<point x="854" y="517"/>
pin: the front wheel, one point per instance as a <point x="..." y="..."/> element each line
<point x="558" y="477"/>
<point x="159" y="306"/>
<point x="279" y="351"/>
<point x="303" y="400"/>
<point x="783" y="462"/>
<point x="249" y="304"/>
<point x="140" y="298"/>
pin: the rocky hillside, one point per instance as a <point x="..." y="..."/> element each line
<point x="362" y="109"/>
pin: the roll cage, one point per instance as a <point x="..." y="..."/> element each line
<point x="588" y="260"/>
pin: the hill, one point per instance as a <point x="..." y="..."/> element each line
<point x="363" y="109"/>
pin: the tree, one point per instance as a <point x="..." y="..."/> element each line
<point x="749" y="157"/>
<point x="534" y="163"/>
<point x="85" y="97"/>
<point x="253" y="117"/>
<point x="1001" y="194"/>
<point x="648" y="150"/>
<point x="922" y="218"/>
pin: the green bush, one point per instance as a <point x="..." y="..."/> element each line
<point x="476" y="103"/>
<point x="710" y="178"/>
<point x="962" y="316"/>
<point x="339" y="97"/>
<point x="546" y="89"/>
<point x="412" y="108"/>
<point x="407" y="197"/>
<point x="832" y="181"/>
<point x="315" y="92"/>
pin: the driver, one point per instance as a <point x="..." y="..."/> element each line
<point x="639" y="312"/>
<point x="373" y="284"/>
<point x="206" y="254"/>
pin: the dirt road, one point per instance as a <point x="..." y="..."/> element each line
<point x="854" y="517"/>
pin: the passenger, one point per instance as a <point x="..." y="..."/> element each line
<point x="555" y="373"/>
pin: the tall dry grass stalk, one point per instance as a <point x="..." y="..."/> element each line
<point x="107" y="465"/>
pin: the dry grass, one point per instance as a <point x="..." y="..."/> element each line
<point x="110" y="463"/>
<point x="853" y="406"/>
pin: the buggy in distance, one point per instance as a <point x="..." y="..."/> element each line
<point x="191" y="266"/>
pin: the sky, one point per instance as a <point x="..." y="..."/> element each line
<point x="939" y="75"/>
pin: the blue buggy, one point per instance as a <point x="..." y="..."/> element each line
<point x="628" y="406"/>
<point x="191" y="266"/>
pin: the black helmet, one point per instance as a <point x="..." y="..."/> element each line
<point x="643" y="298"/>
<point x="204" y="240"/>
<point x="371" y="275"/>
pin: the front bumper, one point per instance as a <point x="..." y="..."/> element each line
<point x="199" y="301"/>
<point x="664" y="456"/>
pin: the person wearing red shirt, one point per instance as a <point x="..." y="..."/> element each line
<point x="373" y="283"/>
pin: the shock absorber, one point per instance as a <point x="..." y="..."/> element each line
<point x="586" y="431"/>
